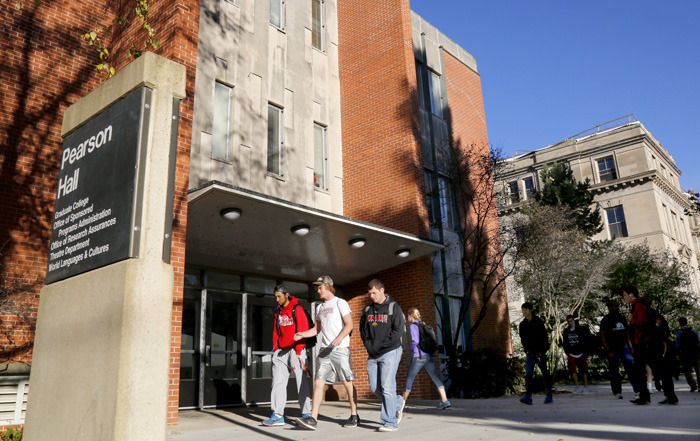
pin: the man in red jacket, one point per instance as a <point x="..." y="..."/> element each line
<point x="640" y="338"/>
<point x="289" y="356"/>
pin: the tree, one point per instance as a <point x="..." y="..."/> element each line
<point x="694" y="199"/>
<point x="481" y="243"/>
<point x="659" y="276"/>
<point x="560" y="189"/>
<point x="561" y="272"/>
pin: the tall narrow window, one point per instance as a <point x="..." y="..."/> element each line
<point x="277" y="13"/>
<point x="435" y="94"/>
<point x="274" y="139"/>
<point x="318" y="24"/>
<point x="514" y="192"/>
<point x="320" y="158"/>
<point x="529" y="188"/>
<point x="222" y="120"/>
<point x="606" y="169"/>
<point x="420" y="85"/>
<point x="616" y="222"/>
<point x="447" y="204"/>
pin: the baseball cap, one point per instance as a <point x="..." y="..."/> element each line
<point x="324" y="280"/>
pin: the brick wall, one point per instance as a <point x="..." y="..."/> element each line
<point x="47" y="67"/>
<point x="469" y="135"/>
<point x="382" y="170"/>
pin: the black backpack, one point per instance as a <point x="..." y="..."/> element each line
<point x="428" y="340"/>
<point x="310" y="341"/>
<point x="657" y="326"/>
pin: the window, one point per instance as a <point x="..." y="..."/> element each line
<point x="221" y="122"/>
<point x="320" y="158"/>
<point x="674" y="224"/>
<point x="616" y="222"/>
<point x="274" y="139"/>
<point x="277" y="13"/>
<point x="606" y="169"/>
<point x="318" y="24"/>
<point x="514" y="192"/>
<point x="529" y="188"/>
<point x="435" y="94"/>
<point x="447" y="204"/>
<point x="420" y="86"/>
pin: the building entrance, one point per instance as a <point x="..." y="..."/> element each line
<point x="226" y="349"/>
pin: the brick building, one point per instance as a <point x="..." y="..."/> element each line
<point x="307" y="145"/>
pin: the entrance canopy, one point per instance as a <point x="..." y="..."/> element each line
<point x="232" y="228"/>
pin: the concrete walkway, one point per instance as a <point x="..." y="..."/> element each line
<point x="597" y="416"/>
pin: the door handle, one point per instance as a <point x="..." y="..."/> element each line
<point x="207" y="356"/>
<point x="250" y="356"/>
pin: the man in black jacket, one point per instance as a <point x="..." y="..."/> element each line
<point x="381" y="326"/>
<point x="575" y="340"/>
<point x="535" y="343"/>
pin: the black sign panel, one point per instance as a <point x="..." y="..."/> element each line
<point x="93" y="223"/>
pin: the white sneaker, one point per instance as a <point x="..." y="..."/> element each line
<point x="387" y="429"/>
<point x="577" y="390"/>
<point x="585" y="391"/>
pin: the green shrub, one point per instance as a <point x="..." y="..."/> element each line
<point x="486" y="373"/>
<point x="12" y="434"/>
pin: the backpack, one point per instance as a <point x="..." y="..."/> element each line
<point x="657" y="326"/>
<point x="688" y="343"/>
<point x="405" y="337"/>
<point x="428" y="340"/>
<point x="310" y="341"/>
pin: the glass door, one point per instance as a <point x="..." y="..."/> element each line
<point x="222" y="350"/>
<point x="189" y="350"/>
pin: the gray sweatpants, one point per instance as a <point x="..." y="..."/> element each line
<point x="285" y="361"/>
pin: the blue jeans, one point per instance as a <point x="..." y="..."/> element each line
<point x="427" y="361"/>
<point x="384" y="368"/>
<point x="541" y="361"/>
<point x="622" y="356"/>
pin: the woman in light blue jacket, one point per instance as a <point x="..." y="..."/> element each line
<point x="421" y="360"/>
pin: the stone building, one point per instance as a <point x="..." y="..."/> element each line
<point x="635" y="182"/>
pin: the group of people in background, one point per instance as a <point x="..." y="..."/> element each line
<point x="383" y="332"/>
<point x="639" y="341"/>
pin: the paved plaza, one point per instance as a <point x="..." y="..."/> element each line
<point x="597" y="416"/>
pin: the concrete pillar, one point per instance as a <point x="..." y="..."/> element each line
<point x="102" y="347"/>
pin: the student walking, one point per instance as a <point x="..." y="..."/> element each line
<point x="576" y="339"/>
<point x="333" y="324"/>
<point x="613" y="333"/>
<point x="536" y="344"/>
<point x="381" y="326"/>
<point x="421" y="360"/>
<point x="289" y="356"/>
<point x="688" y="350"/>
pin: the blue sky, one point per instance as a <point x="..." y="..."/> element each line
<point x="552" y="69"/>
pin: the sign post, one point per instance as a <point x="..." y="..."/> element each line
<point x="101" y="361"/>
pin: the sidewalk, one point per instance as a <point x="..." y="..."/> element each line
<point x="571" y="418"/>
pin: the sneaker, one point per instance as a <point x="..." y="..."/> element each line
<point x="387" y="429"/>
<point x="353" y="421"/>
<point x="307" y="422"/>
<point x="548" y="399"/>
<point x="274" y="420"/>
<point x="618" y="396"/>
<point x="399" y="412"/>
<point x="444" y="405"/>
<point x="585" y="391"/>
<point x="526" y="400"/>
<point x="639" y="402"/>
<point x="667" y="401"/>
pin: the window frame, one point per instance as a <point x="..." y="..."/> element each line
<point x="604" y="175"/>
<point x="529" y="192"/>
<point x="617" y="229"/>
<point x="514" y="197"/>
<point x="321" y="23"/>
<point x="324" y="157"/>
<point x="215" y="117"/>
<point x="282" y="9"/>
<point x="436" y="101"/>
<point x="279" y="141"/>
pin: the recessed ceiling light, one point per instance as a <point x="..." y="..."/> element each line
<point x="357" y="242"/>
<point x="301" y="229"/>
<point x="231" y="213"/>
<point x="402" y="253"/>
